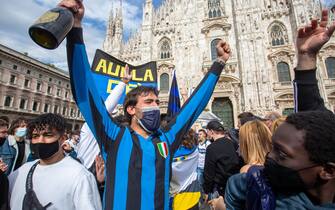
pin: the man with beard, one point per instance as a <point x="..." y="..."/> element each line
<point x="138" y="157"/>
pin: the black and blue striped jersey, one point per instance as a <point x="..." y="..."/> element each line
<point x="137" y="169"/>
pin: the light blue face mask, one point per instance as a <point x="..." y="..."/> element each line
<point x="21" y="132"/>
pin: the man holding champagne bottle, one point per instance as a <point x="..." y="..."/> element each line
<point x="138" y="156"/>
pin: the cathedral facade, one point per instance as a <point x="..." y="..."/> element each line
<point x="182" y="35"/>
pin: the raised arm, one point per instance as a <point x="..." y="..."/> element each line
<point x="84" y="90"/>
<point x="198" y="100"/>
<point x="87" y="141"/>
<point x="310" y="40"/>
<point x="116" y="94"/>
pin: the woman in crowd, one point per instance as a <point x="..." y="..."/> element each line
<point x="17" y="140"/>
<point x="255" y="143"/>
<point x="277" y="123"/>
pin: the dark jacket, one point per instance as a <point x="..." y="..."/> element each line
<point x="306" y="92"/>
<point x="236" y="192"/>
<point x="221" y="162"/>
<point x="3" y="191"/>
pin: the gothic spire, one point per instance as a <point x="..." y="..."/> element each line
<point x="120" y="9"/>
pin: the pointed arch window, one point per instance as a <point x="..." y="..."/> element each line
<point x="277" y="35"/>
<point x="223" y="108"/>
<point x="164" y="83"/>
<point x="213" y="49"/>
<point x="214" y="13"/>
<point x="330" y="65"/>
<point x="219" y="13"/>
<point x="214" y="9"/>
<point x="283" y="70"/>
<point x="165" y="49"/>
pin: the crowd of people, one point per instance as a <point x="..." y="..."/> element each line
<point x="138" y="161"/>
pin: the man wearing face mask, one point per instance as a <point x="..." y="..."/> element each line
<point x="138" y="157"/>
<point x="300" y="169"/>
<point x="53" y="181"/>
<point x="17" y="140"/>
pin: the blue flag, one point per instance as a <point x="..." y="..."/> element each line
<point x="174" y="98"/>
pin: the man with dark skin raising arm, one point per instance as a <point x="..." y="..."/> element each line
<point x="299" y="172"/>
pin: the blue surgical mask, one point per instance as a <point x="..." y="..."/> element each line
<point x="151" y="117"/>
<point x="21" y="132"/>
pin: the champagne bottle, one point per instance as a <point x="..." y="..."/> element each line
<point x="52" y="27"/>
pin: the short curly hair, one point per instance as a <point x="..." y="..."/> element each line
<point x="47" y="121"/>
<point x="319" y="128"/>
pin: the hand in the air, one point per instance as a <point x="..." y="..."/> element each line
<point x="311" y="38"/>
<point x="223" y="50"/>
<point x="77" y="7"/>
<point x="127" y="75"/>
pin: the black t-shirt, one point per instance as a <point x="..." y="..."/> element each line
<point x="21" y="146"/>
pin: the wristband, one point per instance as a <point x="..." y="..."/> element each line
<point x="221" y="61"/>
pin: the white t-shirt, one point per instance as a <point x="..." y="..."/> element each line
<point x="202" y="153"/>
<point x="66" y="184"/>
<point x="88" y="147"/>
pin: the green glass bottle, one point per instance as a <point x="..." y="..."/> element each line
<point x="52" y="27"/>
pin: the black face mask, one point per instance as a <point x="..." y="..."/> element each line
<point x="43" y="150"/>
<point x="283" y="179"/>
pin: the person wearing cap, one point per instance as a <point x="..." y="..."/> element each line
<point x="221" y="160"/>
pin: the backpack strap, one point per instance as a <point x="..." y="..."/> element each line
<point x="29" y="180"/>
<point x="29" y="186"/>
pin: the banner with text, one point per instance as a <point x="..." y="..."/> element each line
<point x="107" y="72"/>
